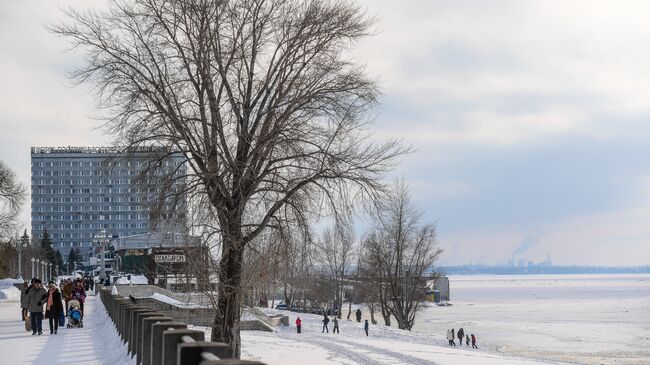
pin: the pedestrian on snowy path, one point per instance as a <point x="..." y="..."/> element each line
<point x="298" y="324"/>
<point x="336" y="325"/>
<point x="54" y="307"/>
<point x="79" y="294"/>
<point x="467" y="339"/>
<point x="35" y="300"/>
<point x="23" y="300"/>
<point x="365" y="327"/>
<point x="450" y="337"/>
<point x="67" y="293"/>
<point x="326" y="321"/>
<point x="358" y="314"/>
<point x="453" y="337"/>
<point x="474" y="342"/>
<point x="461" y="335"/>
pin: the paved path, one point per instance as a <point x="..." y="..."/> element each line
<point x="95" y="344"/>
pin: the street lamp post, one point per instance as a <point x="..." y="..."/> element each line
<point x="38" y="267"/>
<point x="101" y="239"/>
<point x="21" y="245"/>
<point x="33" y="259"/>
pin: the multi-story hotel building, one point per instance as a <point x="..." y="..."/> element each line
<point x="79" y="191"/>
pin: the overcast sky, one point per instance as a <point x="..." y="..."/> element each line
<point x="530" y="118"/>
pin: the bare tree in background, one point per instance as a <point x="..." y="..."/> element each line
<point x="256" y="93"/>
<point x="12" y="196"/>
<point x="334" y="254"/>
<point x="399" y="255"/>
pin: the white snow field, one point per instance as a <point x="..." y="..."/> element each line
<point x="98" y="343"/>
<point x="519" y="320"/>
<point x="587" y="319"/>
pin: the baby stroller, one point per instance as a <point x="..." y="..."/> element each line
<point x="75" y="318"/>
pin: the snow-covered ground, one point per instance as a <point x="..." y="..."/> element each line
<point x="384" y="345"/>
<point x="590" y="319"/>
<point x="97" y="343"/>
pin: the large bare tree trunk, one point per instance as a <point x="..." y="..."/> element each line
<point x="226" y="323"/>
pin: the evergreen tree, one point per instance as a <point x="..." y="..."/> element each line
<point x="72" y="258"/>
<point x="46" y="246"/>
<point x="59" y="262"/>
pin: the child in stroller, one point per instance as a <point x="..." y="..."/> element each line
<point x="75" y="318"/>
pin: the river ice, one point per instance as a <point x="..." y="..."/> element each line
<point x="590" y="319"/>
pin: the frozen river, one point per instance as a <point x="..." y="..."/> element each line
<point x="587" y="319"/>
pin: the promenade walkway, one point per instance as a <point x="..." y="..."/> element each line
<point x="94" y="344"/>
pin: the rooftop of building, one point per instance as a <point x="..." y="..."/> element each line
<point x="95" y="150"/>
<point x="155" y="239"/>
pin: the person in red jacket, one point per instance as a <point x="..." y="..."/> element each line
<point x="298" y="323"/>
<point x="474" y="342"/>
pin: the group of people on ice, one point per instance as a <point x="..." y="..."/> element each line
<point x="335" y="322"/>
<point x="38" y="302"/>
<point x="462" y="336"/>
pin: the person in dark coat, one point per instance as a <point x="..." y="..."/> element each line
<point x="23" y="300"/>
<point x="35" y="300"/>
<point x="461" y="335"/>
<point x="67" y="293"/>
<point x="79" y="294"/>
<point x="326" y="321"/>
<point x="467" y="340"/>
<point x="358" y="315"/>
<point x="365" y="327"/>
<point x="336" y="325"/>
<point x="53" y="308"/>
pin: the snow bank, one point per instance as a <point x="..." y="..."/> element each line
<point x="165" y="299"/>
<point x="135" y="280"/>
<point x="9" y="282"/>
<point x="11" y="293"/>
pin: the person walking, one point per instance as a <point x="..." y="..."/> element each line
<point x="298" y="324"/>
<point x="450" y="337"/>
<point x="365" y="327"/>
<point x="461" y="335"/>
<point x="67" y="293"/>
<point x="54" y="308"/>
<point x="336" y="325"/>
<point x="326" y="321"/>
<point x="453" y="337"/>
<point x="23" y="300"/>
<point x="358" y="314"/>
<point x="79" y="294"/>
<point x="35" y="300"/>
<point x="474" y="342"/>
<point x="467" y="340"/>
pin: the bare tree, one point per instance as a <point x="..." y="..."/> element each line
<point x="12" y="196"/>
<point x="334" y="255"/>
<point x="400" y="253"/>
<point x="259" y="96"/>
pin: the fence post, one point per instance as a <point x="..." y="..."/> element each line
<point x="137" y="340"/>
<point x="230" y="362"/>
<point x="133" y="328"/>
<point x="171" y="339"/>
<point x="157" y="330"/>
<point x="191" y="353"/>
<point x="144" y="355"/>
<point x="124" y="318"/>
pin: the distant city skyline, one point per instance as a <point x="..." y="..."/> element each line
<point x="529" y="119"/>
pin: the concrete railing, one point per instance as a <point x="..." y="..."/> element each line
<point x="154" y="338"/>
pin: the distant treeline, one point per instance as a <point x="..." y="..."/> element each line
<point x="538" y="270"/>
